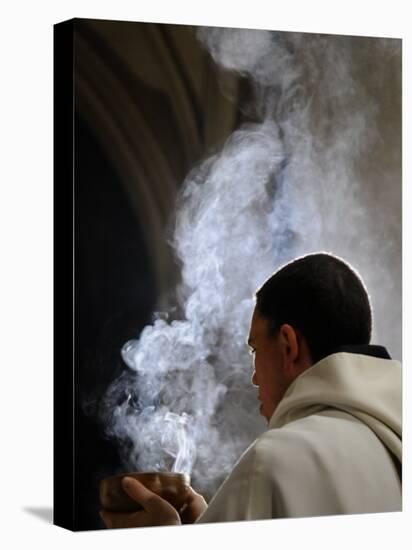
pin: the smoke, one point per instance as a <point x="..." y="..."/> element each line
<point x="293" y="181"/>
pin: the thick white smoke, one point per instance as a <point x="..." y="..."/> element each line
<point x="286" y="185"/>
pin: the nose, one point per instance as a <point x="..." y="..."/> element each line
<point x="254" y="379"/>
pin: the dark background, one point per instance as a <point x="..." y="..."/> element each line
<point x="149" y="105"/>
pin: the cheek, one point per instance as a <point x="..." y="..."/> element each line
<point x="266" y="377"/>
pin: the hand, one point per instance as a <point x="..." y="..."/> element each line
<point x="194" y="506"/>
<point x="156" y="510"/>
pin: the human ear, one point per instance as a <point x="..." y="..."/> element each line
<point x="290" y="345"/>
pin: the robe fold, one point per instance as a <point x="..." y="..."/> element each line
<point x="333" y="446"/>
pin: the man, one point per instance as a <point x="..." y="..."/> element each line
<point x="332" y="402"/>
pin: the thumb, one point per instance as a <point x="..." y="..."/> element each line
<point x="191" y="494"/>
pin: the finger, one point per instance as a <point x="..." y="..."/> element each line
<point x="138" y="492"/>
<point x="191" y="495"/>
<point x="194" y="498"/>
<point x="194" y="506"/>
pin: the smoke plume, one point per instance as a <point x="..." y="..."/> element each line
<point x="300" y="178"/>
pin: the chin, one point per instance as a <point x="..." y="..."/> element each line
<point x="262" y="412"/>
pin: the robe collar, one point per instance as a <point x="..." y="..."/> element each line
<point x="372" y="350"/>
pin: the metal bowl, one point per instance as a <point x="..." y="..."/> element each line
<point x="170" y="486"/>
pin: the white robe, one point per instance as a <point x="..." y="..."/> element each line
<point x="331" y="447"/>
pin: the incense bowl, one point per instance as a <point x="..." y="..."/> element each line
<point x="172" y="487"/>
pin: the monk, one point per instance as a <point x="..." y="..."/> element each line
<point x="332" y="402"/>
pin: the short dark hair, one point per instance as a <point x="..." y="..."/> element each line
<point x="321" y="296"/>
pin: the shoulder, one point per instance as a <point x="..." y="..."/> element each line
<point x="301" y="434"/>
<point x="306" y="443"/>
